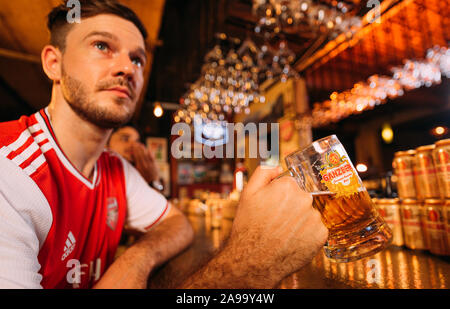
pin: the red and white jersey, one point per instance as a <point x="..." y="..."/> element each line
<point x="59" y="229"/>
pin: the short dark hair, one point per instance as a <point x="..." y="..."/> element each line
<point x="128" y="124"/>
<point x="59" y="27"/>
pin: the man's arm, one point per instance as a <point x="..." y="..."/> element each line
<point x="231" y="269"/>
<point x="25" y="219"/>
<point x="276" y="231"/>
<point x="162" y="242"/>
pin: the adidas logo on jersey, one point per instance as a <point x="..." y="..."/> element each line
<point x="68" y="246"/>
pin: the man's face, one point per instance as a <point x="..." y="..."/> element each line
<point x="102" y="69"/>
<point x="122" y="142"/>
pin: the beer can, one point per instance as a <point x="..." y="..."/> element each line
<point x="412" y="220"/>
<point x="403" y="169"/>
<point x="441" y="155"/>
<point x="435" y="227"/>
<point x="447" y="220"/>
<point x="389" y="209"/>
<point x="425" y="173"/>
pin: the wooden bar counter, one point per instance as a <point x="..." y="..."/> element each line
<point x="393" y="268"/>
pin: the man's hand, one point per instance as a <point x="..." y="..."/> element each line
<point x="276" y="231"/>
<point x="277" y="223"/>
<point x="145" y="162"/>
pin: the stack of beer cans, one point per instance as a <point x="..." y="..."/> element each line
<point x="420" y="217"/>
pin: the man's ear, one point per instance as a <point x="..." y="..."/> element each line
<point x="51" y="58"/>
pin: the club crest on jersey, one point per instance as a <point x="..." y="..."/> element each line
<point x="112" y="212"/>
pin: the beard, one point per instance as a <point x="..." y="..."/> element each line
<point x="76" y="95"/>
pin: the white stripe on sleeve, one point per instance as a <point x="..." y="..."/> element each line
<point x="25" y="219"/>
<point x="146" y="206"/>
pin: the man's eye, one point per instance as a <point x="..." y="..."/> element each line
<point x="138" y="62"/>
<point x="101" y="46"/>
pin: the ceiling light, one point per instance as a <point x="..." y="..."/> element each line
<point x="361" y="168"/>
<point x="387" y="134"/>
<point x="158" y="110"/>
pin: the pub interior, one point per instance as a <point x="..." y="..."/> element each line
<point x="373" y="73"/>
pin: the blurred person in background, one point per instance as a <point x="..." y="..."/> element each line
<point x="126" y="142"/>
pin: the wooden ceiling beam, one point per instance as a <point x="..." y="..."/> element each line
<point x="389" y="8"/>
<point x="19" y="56"/>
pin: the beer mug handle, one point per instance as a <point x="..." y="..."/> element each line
<point x="285" y="173"/>
<point x="299" y="177"/>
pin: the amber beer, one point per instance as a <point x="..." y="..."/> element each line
<point x="355" y="228"/>
<point x="343" y="215"/>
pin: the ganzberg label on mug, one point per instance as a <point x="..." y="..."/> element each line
<point x="338" y="174"/>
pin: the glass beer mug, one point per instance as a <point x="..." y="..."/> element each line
<point x="355" y="228"/>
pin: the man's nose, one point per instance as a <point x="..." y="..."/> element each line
<point x="123" y="66"/>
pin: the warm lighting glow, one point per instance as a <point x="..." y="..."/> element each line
<point x="439" y="131"/>
<point x="361" y="168"/>
<point x="239" y="181"/>
<point x="321" y="14"/>
<point x="387" y="134"/>
<point x="158" y="111"/>
<point x="304" y="6"/>
<point x="377" y="89"/>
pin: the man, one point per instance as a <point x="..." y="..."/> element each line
<point x="125" y="141"/>
<point x="122" y="141"/>
<point x="64" y="200"/>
